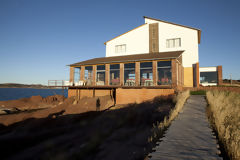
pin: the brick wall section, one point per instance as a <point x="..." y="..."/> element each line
<point x="179" y="74"/>
<point x="71" y="74"/>
<point x="125" y="96"/>
<point x="81" y="93"/>
<point x="137" y="73"/>
<point x="174" y="73"/>
<point x="182" y="75"/>
<point x="99" y="93"/>
<point x="121" y="74"/>
<point x="94" y="75"/>
<point x="197" y="75"/>
<point x="219" y="71"/>
<point x="82" y="78"/>
<point x="155" y="77"/>
<point x="153" y="38"/>
<point x="107" y="77"/>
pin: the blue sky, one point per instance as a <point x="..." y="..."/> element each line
<point x="39" y="38"/>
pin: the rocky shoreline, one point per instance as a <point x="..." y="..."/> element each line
<point x="13" y="111"/>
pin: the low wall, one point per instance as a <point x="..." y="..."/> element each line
<point x="220" y="88"/>
<point x="81" y="93"/>
<point x="124" y="96"/>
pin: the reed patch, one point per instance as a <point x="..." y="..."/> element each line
<point x="224" y="109"/>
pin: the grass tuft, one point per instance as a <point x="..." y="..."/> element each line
<point x="224" y="110"/>
<point x="159" y="128"/>
<point x="199" y="92"/>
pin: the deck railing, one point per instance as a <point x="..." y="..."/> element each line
<point x="56" y="83"/>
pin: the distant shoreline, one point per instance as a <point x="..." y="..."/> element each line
<point x="17" y="85"/>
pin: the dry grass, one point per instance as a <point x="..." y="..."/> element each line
<point x="158" y="128"/>
<point x="225" y="109"/>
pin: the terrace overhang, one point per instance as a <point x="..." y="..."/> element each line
<point x="131" y="58"/>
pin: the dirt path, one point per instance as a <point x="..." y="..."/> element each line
<point x="189" y="136"/>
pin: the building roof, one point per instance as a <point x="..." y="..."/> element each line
<point x="125" y="33"/>
<point x="198" y="30"/>
<point x="131" y="58"/>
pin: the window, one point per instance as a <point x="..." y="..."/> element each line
<point x="173" y="43"/>
<point x="88" y="75"/>
<point x="77" y="71"/>
<point x="100" y="75"/>
<point x="129" y="74"/>
<point x="115" y="74"/>
<point x="120" y="48"/>
<point x="164" y="73"/>
<point x="146" y="74"/>
<point x="208" y="77"/>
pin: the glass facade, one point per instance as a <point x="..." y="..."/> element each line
<point x="88" y="75"/>
<point x="100" y="79"/>
<point x="77" y="74"/>
<point x="129" y="74"/>
<point x="164" y="72"/>
<point x="146" y="74"/>
<point x="208" y="77"/>
<point x="115" y="74"/>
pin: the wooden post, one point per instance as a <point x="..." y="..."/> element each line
<point x="94" y="75"/>
<point x="82" y="73"/>
<point x="219" y="73"/>
<point x="197" y="75"/>
<point x="155" y="76"/>
<point x="107" y="77"/>
<point x="174" y="73"/>
<point x="137" y="73"/>
<point x="121" y="74"/>
<point x="71" y="74"/>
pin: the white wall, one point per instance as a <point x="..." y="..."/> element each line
<point x="189" y="41"/>
<point x="137" y="42"/>
<point x="207" y="69"/>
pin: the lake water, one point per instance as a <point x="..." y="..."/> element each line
<point x="16" y="93"/>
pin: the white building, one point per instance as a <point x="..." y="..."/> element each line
<point x="156" y="53"/>
<point x="159" y="36"/>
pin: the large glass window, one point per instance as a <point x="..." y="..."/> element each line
<point x="88" y="75"/>
<point x="164" y="73"/>
<point x="115" y="74"/>
<point x="100" y="80"/>
<point x="208" y="77"/>
<point x="129" y="74"/>
<point x="77" y="74"/>
<point x="146" y="74"/>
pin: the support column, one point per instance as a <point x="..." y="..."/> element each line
<point x="71" y="74"/>
<point x="219" y="73"/>
<point x="179" y="72"/>
<point x="155" y="75"/>
<point x="82" y="75"/>
<point x="174" y="73"/>
<point x="182" y="75"/>
<point x="94" y="75"/>
<point x="137" y="73"/>
<point x="197" y="75"/>
<point x="121" y="74"/>
<point x="107" y="77"/>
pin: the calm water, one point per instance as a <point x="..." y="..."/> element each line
<point x="16" y="93"/>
